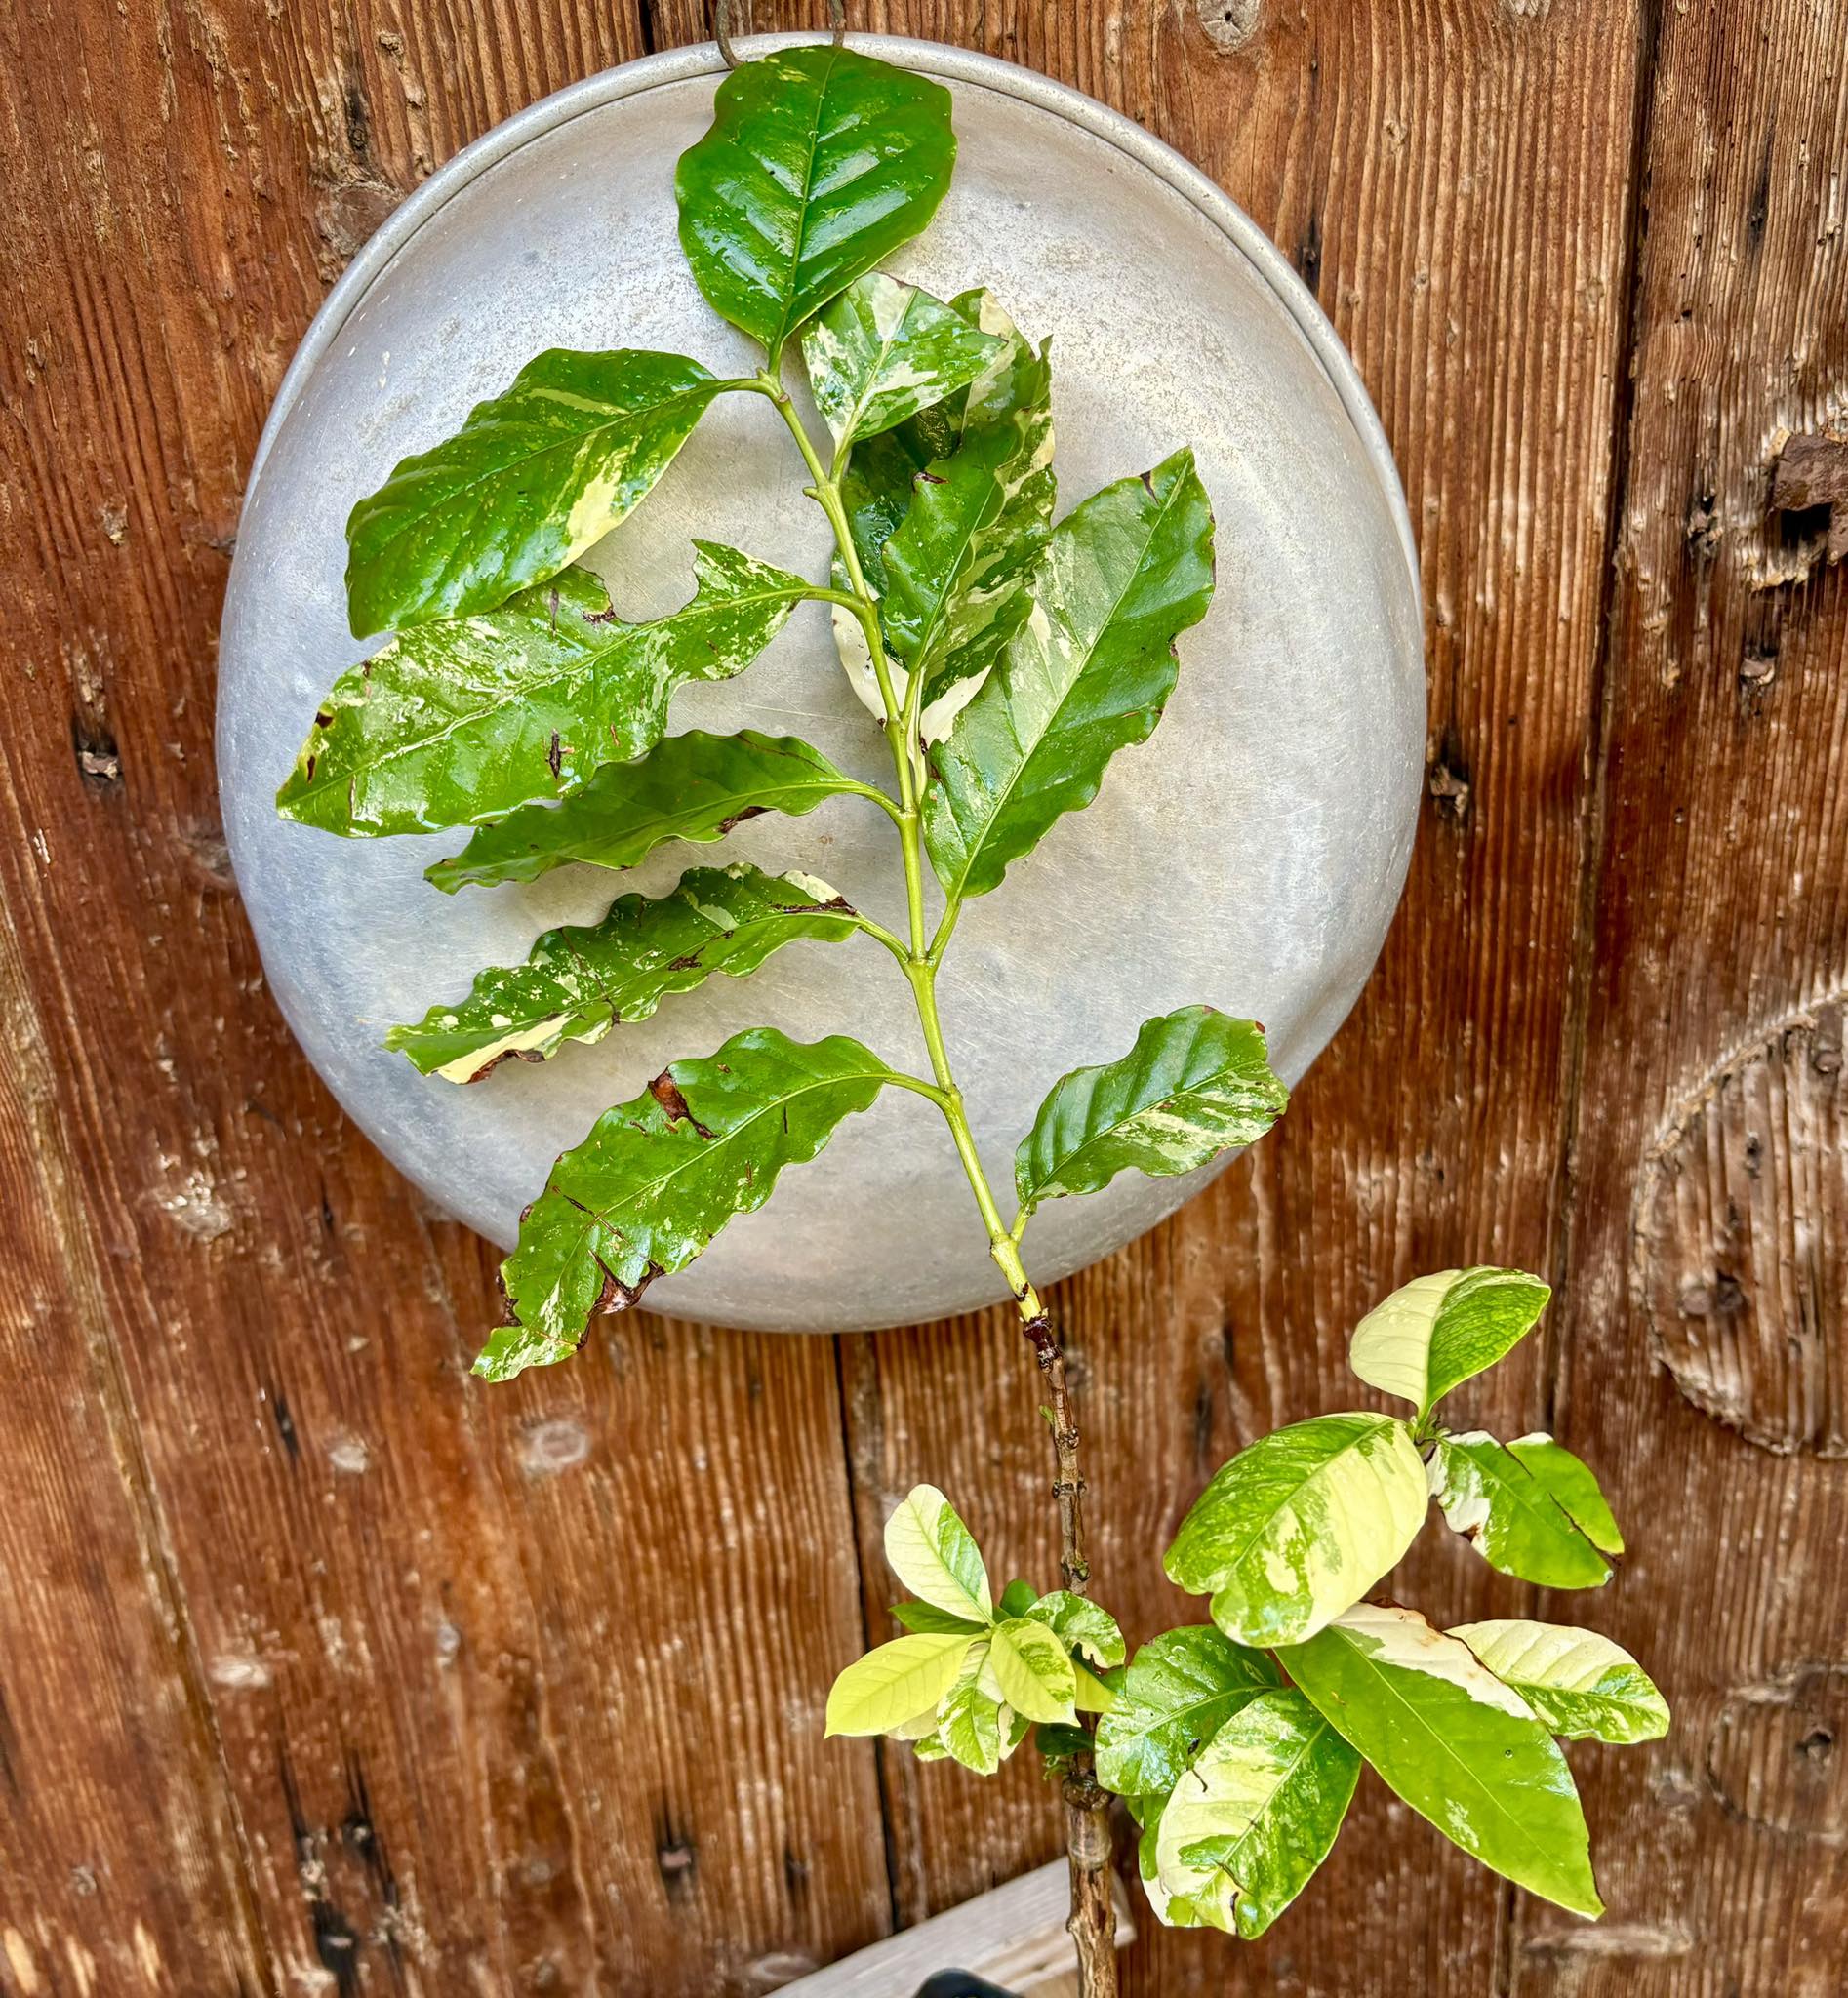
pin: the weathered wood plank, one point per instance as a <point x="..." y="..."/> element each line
<point x="515" y="1692"/>
<point x="1454" y="182"/>
<point x="1707" y="1349"/>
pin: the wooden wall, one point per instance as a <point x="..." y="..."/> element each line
<point x="323" y="1669"/>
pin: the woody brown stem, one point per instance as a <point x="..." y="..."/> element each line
<point x="1093" y="1919"/>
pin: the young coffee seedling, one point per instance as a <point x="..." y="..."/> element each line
<point x="1007" y="659"/>
<point x="1237" y="1744"/>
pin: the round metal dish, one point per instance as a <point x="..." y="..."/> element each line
<point x="1250" y="855"/>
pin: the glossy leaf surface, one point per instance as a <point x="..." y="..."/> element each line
<point x="1256" y="1815"/>
<point x="1032" y="1670"/>
<point x="819" y="162"/>
<point x="1080" y="1625"/>
<point x="1439" y="1330"/>
<point x="581" y="981"/>
<point x="1178" y="1691"/>
<point x="457" y="723"/>
<point x="893" y="1683"/>
<point x="1579" y="1684"/>
<point x="1195" y="1084"/>
<point x="694" y="786"/>
<point x="1459" y="1747"/>
<point x="1298" y="1526"/>
<point x="971" y="1719"/>
<point x="1086" y="673"/>
<point x="659" y="1176"/>
<point x="1574" y="1488"/>
<point x="532" y="479"/>
<point x="935" y="1555"/>
<point x="884" y="351"/>
<point x="954" y="572"/>
<point x="1509" y="1516"/>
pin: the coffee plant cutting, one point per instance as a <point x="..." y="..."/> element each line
<point x="1007" y="657"/>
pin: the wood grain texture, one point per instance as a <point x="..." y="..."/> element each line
<point x="324" y="1670"/>
<point x="1716" y="958"/>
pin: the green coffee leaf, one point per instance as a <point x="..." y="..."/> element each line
<point x="971" y="1718"/>
<point x="1441" y="1331"/>
<point x="1490" y="1497"/>
<point x="1180" y="1690"/>
<point x="659" y="1176"/>
<point x="1195" y="1084"/>
<point x="1079" y="1624"/>
<point x="530" y="481"/>
<point x="1018" y="1598"/>
<point x="884" y="351"/>
<point x="954" y="573"/>
<point x="579" y="982"/>
<point x="694" y="786"/>
<point x="1032" y="1670"/>
<point x="1059" y="1744"/>
<point x="819" y="162"/>
<point x="926" y="1618"/>
<point x="1459" y="1747"/>
<point x="1573" y="1487"/>
<point x="1256" y="1815"/>
<point x="935" y="1555"/>
<point x="458" y="722"/>
<point x="1579" y="1684"/>
<point x="1298" y="1526"/>
<point x="1086" y="673"/>
<point x="895" y="1684"/>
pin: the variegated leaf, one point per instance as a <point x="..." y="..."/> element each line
<point x="971" y="1718"/>
<point x="1080" y="1625"/>
<point x="1574" y="1488"/>
<point x="1195" y="1084"/>
<point x="819" y="162"/>
<point x="1032" y="1672"/>
<point x="694" y="786"/>
<point x="459" y="721"/>
<point x="895" y="1684"/>
<point x="1180" y="1688"/>
<point x="1086" y="674"/>
<point x="1298" y="1526"/>
<point x="1510" y="1518"/>
<point x="579" y="982"/>
<point x="1579" y="1684"/>
<point x="1455" y="1743"/>
<point x="935" y="1557"/>
<point x="531" y="480"/>
<point x="884" y="351"/>
<point x="1439" y="1330"/>
<point x="1256" y="1815"/>
<point x="659" y="1176"/>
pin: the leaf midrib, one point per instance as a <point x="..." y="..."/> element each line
<point x="1352" y="1446"/>
<point x="1005" y="797"/>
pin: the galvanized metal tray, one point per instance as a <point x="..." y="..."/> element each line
<point x="1250" y="855"/>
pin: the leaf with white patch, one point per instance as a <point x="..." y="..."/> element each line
<point x="1256" y="1815"/>
<point x="1086" y="674"/>
<point x="884" y="351"/>
<point x="1032" y="1670"/>
<point x="579" y="982"/>
<point x="531" y="480"/>
<point x="1195" y="1084"/>
<point x="1439" y="1330"/>
<point x="1459" y="1747"/>
<point x="935" y="1557"/>
<point x="818" y="163"/>
<point x="659" y="1176"/>
<point x="1509" y="1516"/>
<point x="971" y="1719"/>
<point x="895" y="1684"/>
<point x="1579" y="1684"/>
<point x="459" y="721"/>
<point x="1298" y="1526"/>
<point x="1574" y="1488"/>
<point x="1080" y="1624"/>
<point x="694" y="786"/>
<point x="1181" y="1688"/>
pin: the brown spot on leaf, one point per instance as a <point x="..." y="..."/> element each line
<point x="665" y="1090"/>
